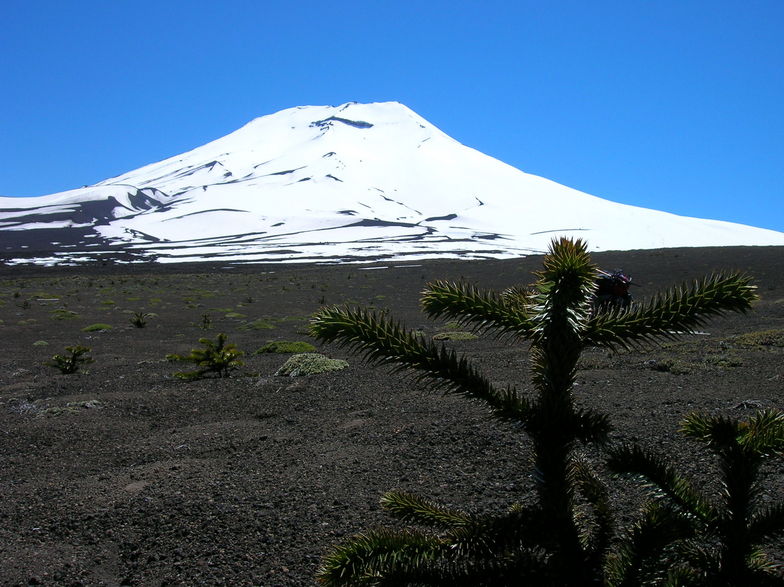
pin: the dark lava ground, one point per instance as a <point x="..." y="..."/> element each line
<point x="127" y="475"/>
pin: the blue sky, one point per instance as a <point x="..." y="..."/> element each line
<point x="672" y="105"/>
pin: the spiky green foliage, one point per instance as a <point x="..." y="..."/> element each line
<point x="217" y="357"/>
<point x="139" y="319"/>
<point x="713" y="541"/>
<point x="70" y="363"/>
<point x="681" y="310"/>
<point x="564" y="538"/>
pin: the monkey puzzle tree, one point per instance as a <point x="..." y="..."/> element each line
<point x="705" y="541"/>
<point x="561" y="539"/>
<point x="218" y="357"/>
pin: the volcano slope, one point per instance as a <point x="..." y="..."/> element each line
<point x="127" y="475"/>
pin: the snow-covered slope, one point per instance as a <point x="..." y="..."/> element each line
<point x="328" y="184"/>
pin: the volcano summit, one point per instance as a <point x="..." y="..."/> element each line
<point x="334" y="184"/>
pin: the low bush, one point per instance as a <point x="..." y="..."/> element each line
<point x="72" y="362"/>
<point x="285" y="346"/>
<point x="63" y="314"/>
<point x="217" y="357"/>
<point x="97" y="327"/>
<point x="139" y="319"/>
<point x="761" y="338"/>
<point x="258" y="324"/>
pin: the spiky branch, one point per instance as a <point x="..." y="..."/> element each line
<point x="563" y="538"/>
<point x="383" y="341"/>
<point x="730" y="523"/>
<point x="681" y="310"/>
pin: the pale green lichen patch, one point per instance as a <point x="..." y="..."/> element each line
<point x="310" y="364"/>
<point x="69" y="408"/>
<point x="760" y="338"/>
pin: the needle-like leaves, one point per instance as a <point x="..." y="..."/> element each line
<point x="662" y="479"/>
<point x="681" y="310"/>
<point x="383" y="341"/>
<point x="412" y="508"/>
<point x="730" y="532"/>
<point x="564" y="536"/>
<point x="480" y="309"/>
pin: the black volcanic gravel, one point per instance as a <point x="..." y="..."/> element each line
<point x="127" y="475"/>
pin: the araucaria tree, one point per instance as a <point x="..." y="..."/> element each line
<point x="219" y="358"/>
<point x="687" y="538"/>
<point x="564" y="536"/>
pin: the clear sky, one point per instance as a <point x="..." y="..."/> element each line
<point x="676" y="105"/>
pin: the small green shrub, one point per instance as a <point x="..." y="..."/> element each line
<point x="767" y="338"/>
<point x="258" y="324"/>
<point x="63" y="314"/>
<point x="218" y="357"/>
<point x="97" y="327"/>
<point x="673" y="366"/>
<point x="285" y="346"/>
<point x="77" y="356"/>
<point x="310" y="364"/>
<point x="139" y="319"/>
<point x="723" y="361"/>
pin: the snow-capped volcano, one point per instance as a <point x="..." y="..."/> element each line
<point x="328" y="184"/>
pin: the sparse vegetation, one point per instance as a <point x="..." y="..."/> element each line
<point x="285" y="346"/>
<point x="77" y="356"/>
<point x="217" y="357"/>
<point x="310" y="364"/>
<point x="71" y="408"/>
<point x="139" y="319"/>
<point x="287" y="466"/>
<point x="258" y="324"/>
<point x="97" y="327"/>
<point x="63" y="314"/>
<point x="762" y="338"/>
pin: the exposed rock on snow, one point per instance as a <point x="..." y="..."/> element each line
<point x="335" y="184"/>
